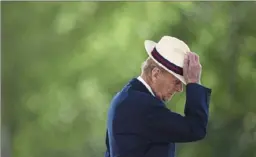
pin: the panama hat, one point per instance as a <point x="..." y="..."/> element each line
<point x="168" y="53"/>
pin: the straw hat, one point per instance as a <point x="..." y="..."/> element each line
<point x="169" y="53"/>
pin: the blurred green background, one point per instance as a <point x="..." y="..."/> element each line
<point x="63" y="61"/>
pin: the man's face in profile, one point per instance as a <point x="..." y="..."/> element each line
<point x="165" y="85"/>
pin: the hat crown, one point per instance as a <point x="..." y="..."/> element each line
<point x="172" y="49"/>
<point x="168" y="53"/>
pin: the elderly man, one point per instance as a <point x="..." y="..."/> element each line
<point x="139" y="124"/>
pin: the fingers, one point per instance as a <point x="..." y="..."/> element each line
<point x="192" y="68"/>
<point x="186" y="60"/>
<point x="196" y="61"/>
<point x="191" y="58"/>
<point x="194" y="58"/>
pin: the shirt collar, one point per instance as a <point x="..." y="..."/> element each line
<point x="146" y="85"/>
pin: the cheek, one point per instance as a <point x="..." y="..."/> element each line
<point x="165" y="88"/>
<point x="170" y="88"/>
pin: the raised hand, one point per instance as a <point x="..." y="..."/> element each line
<point x="192" y="68"/>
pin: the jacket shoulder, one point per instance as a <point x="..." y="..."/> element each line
<point x="133" y="97"/>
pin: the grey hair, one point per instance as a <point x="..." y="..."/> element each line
<point x="148" y="65"/>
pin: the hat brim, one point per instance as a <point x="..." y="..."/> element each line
<point x="149" y="46"/>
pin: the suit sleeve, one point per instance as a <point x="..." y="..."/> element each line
<point x="167" y="126"/>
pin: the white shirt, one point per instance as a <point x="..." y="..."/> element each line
<point x="146" y="85"/>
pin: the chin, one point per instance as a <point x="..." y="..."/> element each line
<point x="169" y="97"/>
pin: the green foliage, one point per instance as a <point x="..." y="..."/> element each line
<point x="63" y="61"/>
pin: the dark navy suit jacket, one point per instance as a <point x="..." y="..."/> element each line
<point x="140" y="125"/>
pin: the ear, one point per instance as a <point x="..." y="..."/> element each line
<point x="155" y="74"/>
